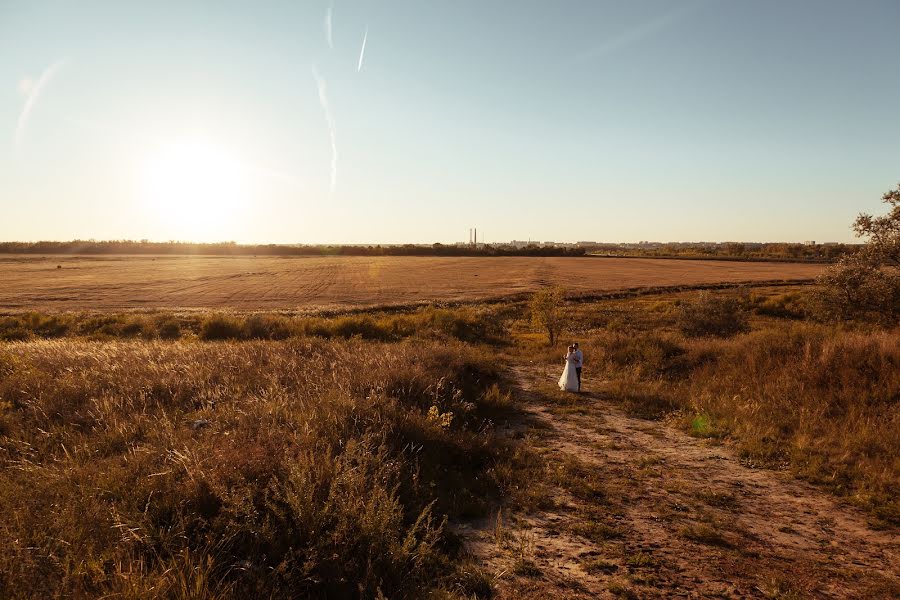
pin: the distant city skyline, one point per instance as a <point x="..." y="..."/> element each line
<point x="406" y="122"/>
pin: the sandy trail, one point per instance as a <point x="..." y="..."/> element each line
<point x="678" y="517"/>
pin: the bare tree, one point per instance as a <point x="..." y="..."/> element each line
<point x="545" y="311"/>
<point x="866" y="284"/>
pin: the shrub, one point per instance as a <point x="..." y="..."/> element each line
<point x="361" y="325"/>
<point x="169" y="329"/>
<point x="137" y="327"/>
<point x="100" y="326"/>
<point x="545" y="308"/>
<point x="47" y="326"/>
<point x="267" y="327"/>
<point x="221" y="327"/>
<point x="709" y="315"/>
<point x="866" y="284"/>
<point x="855" y="289"/>
<point x="12" y="329"/>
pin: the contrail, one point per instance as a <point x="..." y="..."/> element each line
<point x="329" y="119"/>
<point x="642" y="31"/>
<point x="328" y="15"/>
<point x="362" y="51"/>
<point x="32" y="99"/>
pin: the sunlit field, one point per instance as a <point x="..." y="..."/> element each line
<point x="299" y="283"/>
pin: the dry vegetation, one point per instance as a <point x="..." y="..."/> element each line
<point x="299" y="283"/>
<point x="758" y="370"/>
<point x="465" y="324"/>
<point x="264" y="469"/>
<point x="265" y="455"/>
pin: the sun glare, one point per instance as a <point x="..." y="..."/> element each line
<point x="193" y="191"/>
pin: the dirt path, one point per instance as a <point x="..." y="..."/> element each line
<point x="634" y="508"/>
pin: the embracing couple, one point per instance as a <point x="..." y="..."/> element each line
<point x="571" y="375"/>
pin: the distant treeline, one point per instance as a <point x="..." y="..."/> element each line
<point x="234" y="249"/>
<point x="725" y="251"/>
<point x="731" y="251"/>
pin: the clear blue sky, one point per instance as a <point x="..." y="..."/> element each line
<point x="719" y="120"/>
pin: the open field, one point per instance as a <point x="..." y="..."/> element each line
<point x="298" y="283"/>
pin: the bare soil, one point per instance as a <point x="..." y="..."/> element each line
<point x="671" y="517"/>
<point x="302" y="283"/>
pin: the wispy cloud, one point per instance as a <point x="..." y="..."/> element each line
<point x="328" y="16"/>
<point x="32" y="91"/>
<point x="322" y="86"/>
<point x="641" y="32"/>
<point x="362" y="50"/>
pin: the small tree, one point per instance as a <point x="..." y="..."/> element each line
<point x="545" y="311"/>
<point x="866" y="284"/>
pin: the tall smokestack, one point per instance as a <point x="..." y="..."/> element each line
<point x="476" y="236"/>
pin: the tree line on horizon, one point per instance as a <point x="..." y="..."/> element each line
<point x="728" y="251"/>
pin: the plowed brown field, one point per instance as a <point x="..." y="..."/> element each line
<point x="291" y="283"/>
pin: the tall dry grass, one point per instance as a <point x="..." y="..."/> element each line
<point x="303" y="468"/>
<point x="819" y="400"/>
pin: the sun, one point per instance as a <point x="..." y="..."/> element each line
<point x="193" y="190"/>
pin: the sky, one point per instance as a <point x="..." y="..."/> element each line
<point x="410" y="122"/>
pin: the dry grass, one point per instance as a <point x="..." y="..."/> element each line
<point x="262" y="469"/>
<point x="471" y="324"/>
<point x="319" y="457"/>
<point x="821" y="400"/>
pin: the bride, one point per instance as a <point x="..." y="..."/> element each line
<point x="569" y="380"/>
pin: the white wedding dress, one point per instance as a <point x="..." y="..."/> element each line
<point x="569" y="380"/>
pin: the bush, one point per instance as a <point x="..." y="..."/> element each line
<point x="12" y="329"/>
<point x="169" y="329"/>
<point x="47" y="326"/>
<point x="855" y="289"/>
<point x="267" y="327"/>
<point x="866" y="285"/>
<point x="545" y="308"/>
<point x="221" y="327"/>
<point x="712" y="316"/>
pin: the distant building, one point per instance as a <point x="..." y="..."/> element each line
<point x="809" y="243"/>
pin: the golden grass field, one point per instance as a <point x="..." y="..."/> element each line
<point x="298" y="283"/>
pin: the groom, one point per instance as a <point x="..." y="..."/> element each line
<point x="579" y="362"/>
